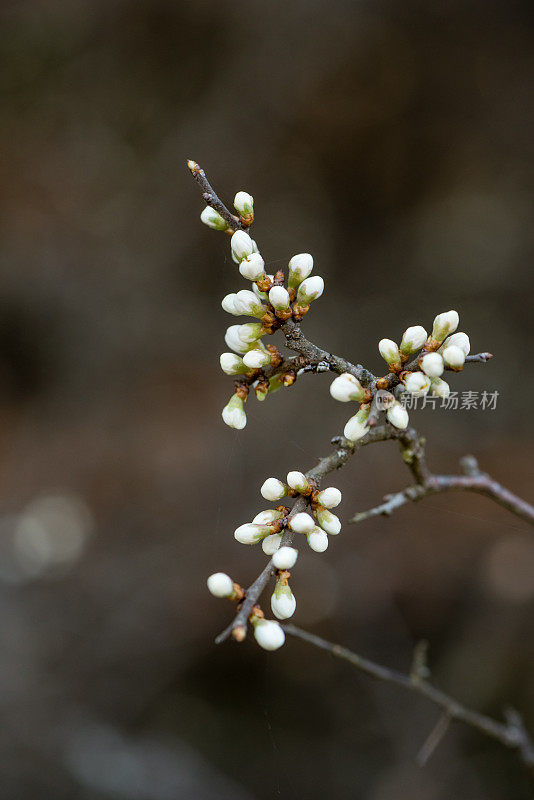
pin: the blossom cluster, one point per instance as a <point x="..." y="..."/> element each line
<point x="269" y="302"/>
<point x="268" y="527"/>
<point x="431" y="355"/>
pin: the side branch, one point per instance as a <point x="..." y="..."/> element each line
<point x="511" y="734"/>
<point x="473" y="480"/>
<point x="313" y="355"/>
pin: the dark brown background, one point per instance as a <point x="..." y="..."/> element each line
<point x="394" y="141"/>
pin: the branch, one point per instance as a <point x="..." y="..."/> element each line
<point x="511" y="734"/>
<point x="238" y="627"/>
<point x="311" y="358"/>
<point x="211" y="198"/>
<point x="427" y="483"/>
<point x="344" y="449"/>
<point x="312" y="354"/>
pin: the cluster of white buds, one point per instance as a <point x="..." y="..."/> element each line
<point x="443" y="349"/>
<point x="416" y="366"/>
<point x="268" y="300"/>
<point x="267" y="633"/>
<point x="267" y="527"/>
<point x="347" y="387"/>
<point x="320" y="521"/>
<point x="243" y="204"/>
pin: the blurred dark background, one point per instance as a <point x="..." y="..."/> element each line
<point x="395" y="142"/>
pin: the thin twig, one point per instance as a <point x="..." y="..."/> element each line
<point x="211" y="198"/>
<point x="429" y="484"/>
<point x="511" y="734"/>
<point x="433" y="739"/>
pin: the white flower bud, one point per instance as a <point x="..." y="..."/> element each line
<point x="250" y="332"/>
<point x="460" y="340"/>
<point x="328" y="521"/>
<point x="273" y="489"/>
<point x="432" y="365"/>
<point x="298" y="481"/>
<point x="318" y="540"/>
<point x="269" y="634"/>
<point x="252" y="267"/>
<point x="285" y="557"/>
<point x="346" y="387"/>
<point x="301" y="523"/>
<point x="237" y="260"/>
<point x="234" y="341"/>
<point x="271" y="543"/>
<point x="309" y="290"/>
<point x="232" y="364"/>
<point x="251" y="533"/>
<point x="330" y="497"/>
<point x="444" y="324"/>
<point x="440" y="388"/>
<point x="228" y="304"/>
<point x="220" y="584"/>
<point x="213" y="219"/>
<point x="279" y="298"/>
<point x="244" y="204"/>
<point x="234" y="413"/>
<point x="417" y="383"/>
<point x="266" y="517"/>
<point x="356" y="426"/>
<point x="241" y="245"/>
<point x="246" y="302"/>
<point x="256" y="359"/>
<point x="300" y="266"/>
<point x="398" y="416"/>
<point x="283" y="603"/>
<point x="389" y="351"/>
<point x="453" y="357"/>
<point x="413" y="339"/>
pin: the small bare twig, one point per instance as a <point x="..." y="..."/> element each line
<point x="433" y="739"/>
<point x="211" y="198"/>
<point x="473" y="480"/>
<point x="511" y="734"/>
